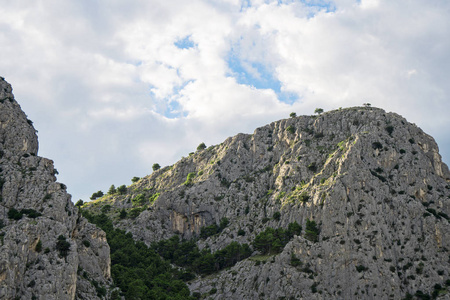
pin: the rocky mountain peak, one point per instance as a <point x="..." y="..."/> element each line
<point x="47" y="251"/>
<point x="368" y="188"/>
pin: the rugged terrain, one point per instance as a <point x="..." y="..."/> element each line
<point x="368" y="189"/>
<point x="373" y="184"/>
<point x="48" y="251"/>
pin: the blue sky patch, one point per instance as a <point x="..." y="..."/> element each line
<point x="184" y="43"/>
<point x="259" y="76"/>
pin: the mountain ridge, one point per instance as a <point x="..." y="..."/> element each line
<point x="354" y="172"/>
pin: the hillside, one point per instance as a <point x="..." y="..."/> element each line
<point x="48" y="251"/>
<point x="368" y="189"/>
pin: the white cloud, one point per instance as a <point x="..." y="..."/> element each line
<point x="102" y="80"/>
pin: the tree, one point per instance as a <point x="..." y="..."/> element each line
<point x="79" y="203"/>
<point x="135" y="179"/>
<point x="156" y="167"/>
<point x="200" y="147"/>
<point x="311" y="231"/>
<point x="97" y="195"/>
<point x="63" y="246"/>
<point x="112" y="190"/>
<point x="367" y="105"/>
<point x="123" y="214"/>
<point x="293" y="115"/>
<point x="318" y="111"/>
<point x="122" y="189"/>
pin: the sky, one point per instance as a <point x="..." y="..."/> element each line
<point x="114" y="86"/>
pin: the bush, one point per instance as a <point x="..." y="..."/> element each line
<point x="276" y="215"/>
<point x="97" y="195"/>
<point x="241" y="232"/>
<point x="293" y="115"/>
<point x="79" y="203"/>
<point x="311" y="231"/>
<point x="156" y="167"/>
<point x="290" y="129"/>
<point x="304" y="197"/>
<point x="390" y="129"/>
<point x="112" y="190"/>
<point x="318" y="111"/>
<point x="14" y="214"/>
<point x="38" y="247"/>
<point x="122" y="189"/>
<point x="123" y="214"/>
<point x="361" y="268"/>
<point x="377" y="145"/>
<point x="63" y="246"/>
<point x="86" y="243"/>
<point x="200" y="147"/>
<point x="190" y="177"/>
<point x="135" y="179"/>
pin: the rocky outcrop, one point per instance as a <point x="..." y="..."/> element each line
<point x="373" y="183"/>
<point x="48" y="251"/>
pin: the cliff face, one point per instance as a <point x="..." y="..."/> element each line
<point x="48" y="251"/>
<point x="374" y="184"/>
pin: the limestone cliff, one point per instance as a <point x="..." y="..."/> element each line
<point x="48" y="251"/>
<point x="374" y="184"/>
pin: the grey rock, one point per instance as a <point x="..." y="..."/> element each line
<point x="374" y="183"/>
<point x="31" y="266"/>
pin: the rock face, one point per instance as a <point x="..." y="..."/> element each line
<point x="48" y="251"/>
<point x="374" y="184"/>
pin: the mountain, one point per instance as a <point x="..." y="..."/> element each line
<point x="48" y="250"/>
<point x="368" y="189"/>
<point x="349" y="204"/>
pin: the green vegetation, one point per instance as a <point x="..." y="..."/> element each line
<point x="122" y="189"/>
<point x="290" y="129"/>
<point x="390" y="129"/>
<point x="189" y="179"/>
<point x="292" y="115"/>
<point x="79" y="203"/>
<point x="213" y="229"/>
<point x="156" y="167"/>
<point x="272" y="241"/>
<point x="14" y="214"/>
<point x="201" y="147"/>
<point x="97" y="195"/>
<point x="62" y="246"/>
<point x="311" y="231"/>
<point x="318" y="111"/>
<point x="138" y="270"/>
<point x="135" y="179"/>
<point x="112" y="190"/>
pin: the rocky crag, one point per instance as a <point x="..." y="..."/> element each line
<point x="373" y="185"/>
<point x="47" y="251"/>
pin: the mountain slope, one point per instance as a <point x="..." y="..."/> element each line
<point x="368" y="188"/>
<point x="48" y="251"/>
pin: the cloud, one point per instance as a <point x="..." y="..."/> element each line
<point x="114" y="87"/>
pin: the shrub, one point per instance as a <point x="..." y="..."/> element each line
<point x="361" y="268"/>
<point x="295" y="262"/>
<point x="112" y="190"/>
<point x="312" y="167"/>
<point x="318" y="111"/>
<point x="304" y="197"/>
<point x="190" y="177"/>
<point x="106" y="208"/>
<point x="311" y="231"/>
<point x="200" y="147"/>
<point x="292" y="115"/>
<point x="135" y="179"/>
<point x="390" y="129"/>
<point x="123" y="214"/>
<point x="122" y="189"/>
<point x="290" y="129"/>
<point x="153" y="198"/>
<point x="276" y="215"/>
<point x="86" y="243"/>
<point x="97" y="195"/>
<point x="38" y="247"/>
<point x="14" y="214"/>
<point x="79" y="203"/>
<point x="241" y="232"/>
<point x="156" y="167"/>
<point x="63" y="246"/>
<point x="377" y="145"/>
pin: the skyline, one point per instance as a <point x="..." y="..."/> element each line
<point x="114" y="87"/>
